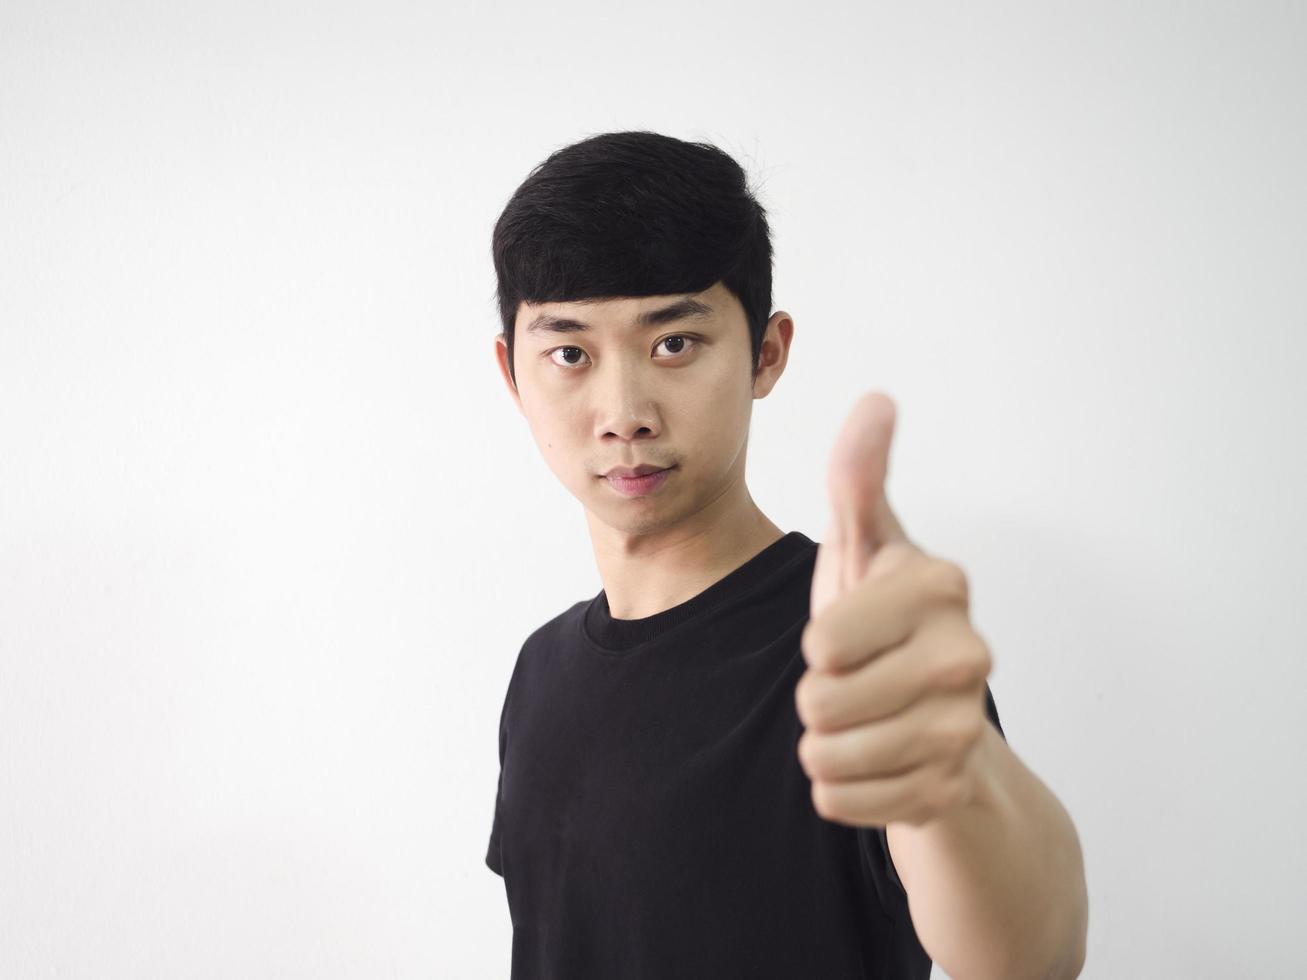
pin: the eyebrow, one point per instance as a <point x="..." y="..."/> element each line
<point x="680" y="310"/>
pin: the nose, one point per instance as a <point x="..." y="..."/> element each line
<point x="628" y="425"/>
<point x="626" y="410"/>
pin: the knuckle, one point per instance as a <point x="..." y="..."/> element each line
<point x="947" y="582"/>
<point x="957" y="736"/>
<point x="957" y="671"/>
<point x="966" y="667"/>
<point x="946" y="739"/>
<point x="896" y="554"/>
<point x="815" y="645"/>
<point x="802" y="706"/>
<point x="810" y="757"/>
<point x="805" y="751"/>
<point x="816" y="700"/>
<point x="820" y="798"/>
<point x="971" y="733"/>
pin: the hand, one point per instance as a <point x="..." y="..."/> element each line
<point x="893" y="700"/>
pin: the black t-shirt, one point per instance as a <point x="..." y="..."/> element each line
<point x="653" y="819"/>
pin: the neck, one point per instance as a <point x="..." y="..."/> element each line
<point x="651" y="571"/>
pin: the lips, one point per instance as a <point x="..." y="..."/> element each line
<point x="640" y="486"/>
<point x="627" y="472"/>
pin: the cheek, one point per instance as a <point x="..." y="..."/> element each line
<point x="728" y="403"/>
<point x="547" y="434"/>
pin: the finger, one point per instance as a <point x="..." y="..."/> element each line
<point x="827" y="583"/>
<point x="939" y="728"/>
<point x="856" y="477"/>
<point x="943" y="654"/>
<point x="913" y="794"/>
<point x="878" y="613"/>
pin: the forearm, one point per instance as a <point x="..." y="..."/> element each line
<point x="996" y="887"/>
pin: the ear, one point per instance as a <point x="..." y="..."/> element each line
<point x="501" y="357"/>
<point x="774" y="354"/>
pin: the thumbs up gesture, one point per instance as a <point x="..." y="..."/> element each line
<point x="893" y="700"/>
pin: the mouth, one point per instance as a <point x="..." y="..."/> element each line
<point x="627" y="472"/>
<point x="639" y="486"/>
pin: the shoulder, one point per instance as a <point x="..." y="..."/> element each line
<point x="543" y="642"/>
<point x="551" y="632"/>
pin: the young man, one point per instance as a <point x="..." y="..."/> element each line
<point x="656" y="815"/>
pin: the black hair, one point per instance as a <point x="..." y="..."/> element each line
<point x="633" y="213"/>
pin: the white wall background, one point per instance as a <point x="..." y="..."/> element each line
<point x="271" y="531"/>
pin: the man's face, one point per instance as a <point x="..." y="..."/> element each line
<point x="641" y="383"/>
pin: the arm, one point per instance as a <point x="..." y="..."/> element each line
<point x="996" y="887"/>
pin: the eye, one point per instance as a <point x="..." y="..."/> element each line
<point x="571" y="364"/>
<point x="677" y="336"/>
<point x="549" y="354"/>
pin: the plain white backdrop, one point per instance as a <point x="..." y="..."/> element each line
<point x="272" y="531"/>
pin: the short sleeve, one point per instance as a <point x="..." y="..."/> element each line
<point x="875" y="841"/>
<point x="991" y="709"/>
<point x="494" y="859"/>
<point x="492" y="854"/>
